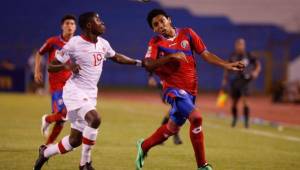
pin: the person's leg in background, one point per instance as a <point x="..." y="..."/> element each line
<point x="176" y="138"/>
<point x="58" y="115"/>
<point x="234" y="111"/>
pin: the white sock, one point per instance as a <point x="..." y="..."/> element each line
<point x="89" y="137"/>
<point x="85" y="154"/>
<point x="62" y="147"/>
<point x="51" y="150"/>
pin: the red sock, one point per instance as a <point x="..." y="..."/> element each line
<point x="159" y="136"/>
<point x="197" y="139"/>
<point x="55" y="117"/>
<point x="55" y="132"/>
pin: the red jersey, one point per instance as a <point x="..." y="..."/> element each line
<point x="177" y="74"/>
<point x="52" y="46"/>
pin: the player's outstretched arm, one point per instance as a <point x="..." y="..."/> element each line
<point x="151" y="64"/>
<point x="56" y="66"/>
<point x="213" y="59"/>
<point x="257" y="70"/>
<point x="122" y="59"/>
<point x="38" y="76"/>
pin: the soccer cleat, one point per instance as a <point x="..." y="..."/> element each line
<point x="177" y="140"/>
<point x="41" y="159"/>
<point x="87" y="166"/>
<point x="139" y="162"/>
<point x="45" y="126"/>
<point x="206" y="167"/>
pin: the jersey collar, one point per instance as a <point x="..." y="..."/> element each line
<point x="87" y="39"/>
<point x="173" y="38"/>
<point x="61" y="38"/>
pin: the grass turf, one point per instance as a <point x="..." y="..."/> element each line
<point x="125" y="121"/>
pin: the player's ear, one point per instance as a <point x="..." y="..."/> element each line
<point x="169" y="19"/>
<point x="61" y="26"/>
<point x="88" y="25"/>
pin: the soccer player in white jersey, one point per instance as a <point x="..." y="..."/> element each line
<point x="87" y="53"/>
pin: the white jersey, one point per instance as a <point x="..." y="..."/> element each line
<point x="89" y="56"/>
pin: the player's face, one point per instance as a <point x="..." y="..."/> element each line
<point x="97" y="26"/>
<point x="240" y="46"/>
<point x="161" y="24"/>
<point x="68" y="27"/>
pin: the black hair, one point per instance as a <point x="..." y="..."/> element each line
<point x="153" y="13"/>
<point x="67" y="17"/>
<point x="85" y="18"/>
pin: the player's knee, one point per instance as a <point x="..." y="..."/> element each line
<point x="64" y="112"/>
<point x="246" y="109"/>
<point x="60" y="123"/>
<point x="195" y="118"/>
<point x="93" y="119"/>
<point x="75" y="141"/>
<point x="234" y="110"/>
<point x="95" y="122"/>
<point x="172" y="127"/>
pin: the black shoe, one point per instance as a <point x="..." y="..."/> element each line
<point x="177" y="140"/>
<point x="87" y="166"/>
<point x="41" y="159"/>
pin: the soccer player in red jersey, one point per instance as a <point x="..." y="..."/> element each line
<point x="56" y="80"/>
<point x="171" y="56"/>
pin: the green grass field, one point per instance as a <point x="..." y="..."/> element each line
<point x="124" y="121"/>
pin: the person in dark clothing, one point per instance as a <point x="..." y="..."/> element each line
<point x="239" y="81"/>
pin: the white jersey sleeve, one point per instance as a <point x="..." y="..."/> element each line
<point x="64" y="55"/>
<point x="109" y="51"/>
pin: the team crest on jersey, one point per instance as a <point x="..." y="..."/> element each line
<point x="59" y="53"/>
<point x="184" y="44"/>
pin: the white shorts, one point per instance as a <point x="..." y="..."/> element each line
<point x="77" y="117"/>
<point x="74" y="97"/>
<point x="78" y="103"/>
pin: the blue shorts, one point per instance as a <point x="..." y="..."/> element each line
<point x="57" y="101"/>
<point x="182" y="104"/>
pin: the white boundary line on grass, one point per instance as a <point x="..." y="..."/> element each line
<point x="272" y="135"/>
<point x="261" y="133"/>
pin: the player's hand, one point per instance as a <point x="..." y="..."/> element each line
<point x="235" y="66"/>
<point x="38" y="78"/>
<point x="224" y="83"/>
<point x="179" y="56"/>
<point x="73" y="67"/>
<point x="152" y="82"/>
<point x="254" y="75"/>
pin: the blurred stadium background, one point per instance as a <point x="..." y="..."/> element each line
<point x="271" y="29"/>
